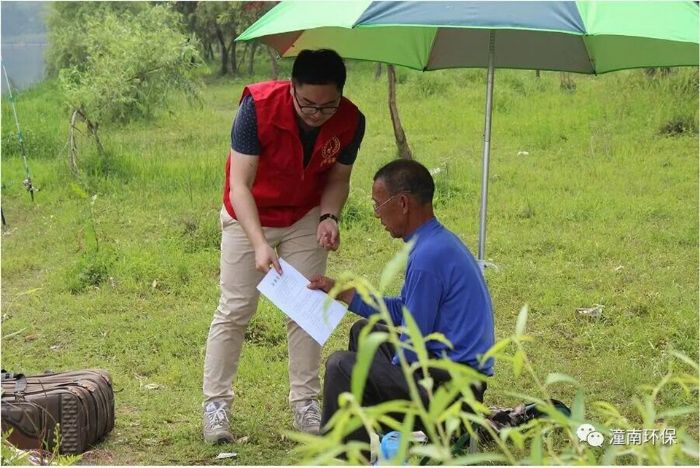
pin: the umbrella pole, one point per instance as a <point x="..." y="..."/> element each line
<point x="487" y="148"/>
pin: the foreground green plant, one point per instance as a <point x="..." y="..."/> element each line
<point x="12" y="456"/>
<point x="552" y="439"/>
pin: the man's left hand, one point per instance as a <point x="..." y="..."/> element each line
<point x="328" y="235"/>
<point x="321" y="282"/>
<point x="325" y="284"/>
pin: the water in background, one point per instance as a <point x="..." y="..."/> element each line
<point x="23" y="43"/>
<point x="24" y="64"/>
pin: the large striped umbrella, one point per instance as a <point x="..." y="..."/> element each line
<point x="580" y="37"/>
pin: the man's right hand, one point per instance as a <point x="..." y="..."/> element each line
<point x="266" y="256"/>
<point x="242" y="174"/>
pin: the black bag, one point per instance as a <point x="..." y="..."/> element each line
<point x="522" y="413"/>
<point x="500" y="418"/>
<point x="82" y="402"/>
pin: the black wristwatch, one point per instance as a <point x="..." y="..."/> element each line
<point x="329" y="215"/>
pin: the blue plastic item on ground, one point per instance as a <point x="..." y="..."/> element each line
<point x="389" y="445"/>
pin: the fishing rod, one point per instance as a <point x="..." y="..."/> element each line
<point x="27" y="174"/>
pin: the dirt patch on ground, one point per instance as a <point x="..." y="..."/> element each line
<point x="97" y="457"/>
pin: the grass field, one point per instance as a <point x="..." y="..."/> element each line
<point x="593" y="199"/>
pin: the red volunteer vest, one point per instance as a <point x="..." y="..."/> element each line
<point x="284" y="190"/>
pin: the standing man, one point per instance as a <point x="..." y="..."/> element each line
<point x="444" y="290"/>
<point x="293" y="144"/>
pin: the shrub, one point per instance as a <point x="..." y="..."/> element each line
<point x="679" y="125"/>
<point x="132" y="63"/>
<point x="90" y="271"/>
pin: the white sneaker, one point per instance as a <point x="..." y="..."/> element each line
<point x="216" y="426"/>
<point x="307" y="416"/>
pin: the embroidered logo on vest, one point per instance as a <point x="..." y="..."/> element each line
<point x="329" y="151"/>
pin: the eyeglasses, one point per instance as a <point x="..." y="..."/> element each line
<point x="311" y="110"/>
<point x="378" y="207"/>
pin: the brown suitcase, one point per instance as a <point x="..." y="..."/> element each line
<point x="82" y="402"/>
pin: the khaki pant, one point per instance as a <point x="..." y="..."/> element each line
<point x="297" y="244"/>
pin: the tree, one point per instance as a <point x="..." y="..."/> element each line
<point x="215" y="24"/>
<point x="238" y="16"/>
<point x="67" y="34"/>
<point x="219" y="23"/>
<point x="274" y="69"/>
<point x="132" y="63"/>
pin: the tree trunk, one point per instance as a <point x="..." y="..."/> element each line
<point x="243" y="57"/>
<point x="565" y="82"/>
<point x="72" y="146"/>
<point x="209" y="51"/>
<point x="93" y="129"/>
<point x="401" y="144"/>
<point x="224" y="51"/>
<point x="377" y="71"/>
<point x="251" y="58"/>
<point x="273" y="63"/>
<point x="232" y="54"/>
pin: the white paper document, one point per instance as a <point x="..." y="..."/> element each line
<point x="305" y="306"/>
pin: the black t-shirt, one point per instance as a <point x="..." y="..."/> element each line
<point x="244" y="135"/>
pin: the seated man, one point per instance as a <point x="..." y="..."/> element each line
<point x="444" y="289"/>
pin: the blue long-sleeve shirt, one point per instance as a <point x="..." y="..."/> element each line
<point x="445" y="291"/>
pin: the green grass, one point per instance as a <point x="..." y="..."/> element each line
<point x="603" y="210"/>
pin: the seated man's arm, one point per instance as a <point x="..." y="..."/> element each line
<point x="393" y="304"/>
<point x="422" y="294"/>
<point x="354" y="300"/>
